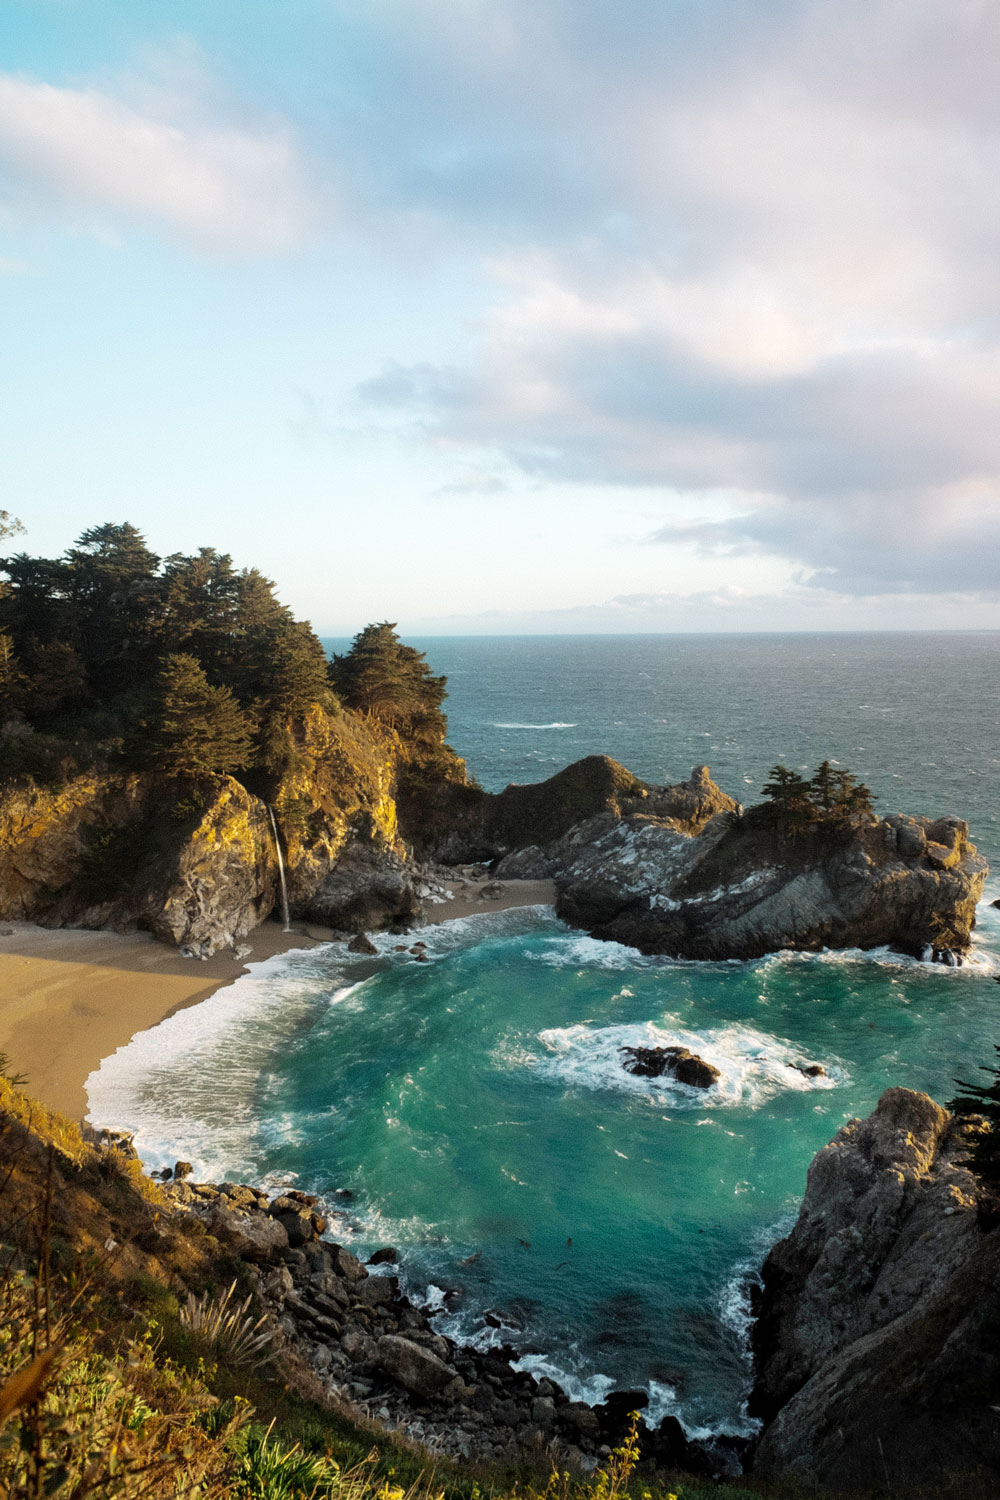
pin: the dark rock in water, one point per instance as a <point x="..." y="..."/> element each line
<point x="668" y="1447"/>
<point x="810" y="1070"/>
<point x="877" y="1336"/>
<point x="387" y="1256"/>
<point x="361" y="944"/>
<point x="182" y="1169"/>
<point x="614" y="1414"/>
<point x="679" y="1062"/>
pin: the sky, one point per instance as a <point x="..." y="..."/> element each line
<point x="503" y="316"/>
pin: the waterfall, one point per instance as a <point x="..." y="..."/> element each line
<point x="281" y="871"/>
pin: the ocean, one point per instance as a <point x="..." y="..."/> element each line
<point x="474" y="1107"/>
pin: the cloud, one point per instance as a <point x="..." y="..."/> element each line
<point x="779" y="279"/>
<point x="220" y="187"/>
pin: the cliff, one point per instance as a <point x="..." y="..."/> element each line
<point x="193" y="859"/>
<point x="877" y="1337"/>
<point x="667" y="869"/>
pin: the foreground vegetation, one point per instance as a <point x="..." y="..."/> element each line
<point x="129" y="1368"/>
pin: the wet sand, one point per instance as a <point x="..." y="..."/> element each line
<point x="69" y="998"/>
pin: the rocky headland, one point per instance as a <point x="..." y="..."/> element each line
<point x="877" y="1331"/>
<point x="677" y="869"/>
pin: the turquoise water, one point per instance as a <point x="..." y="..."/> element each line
<point x="475" y="1106"/>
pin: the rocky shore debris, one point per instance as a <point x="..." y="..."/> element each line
<point x="677" y="1062"/>
<point x="373" y="1346"/>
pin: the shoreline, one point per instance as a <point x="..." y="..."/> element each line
<point x="70" y="997"/>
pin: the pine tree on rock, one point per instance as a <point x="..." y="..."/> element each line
<point x="200" y="729"/>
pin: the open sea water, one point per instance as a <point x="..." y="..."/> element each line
<point x="475" y="1108"/>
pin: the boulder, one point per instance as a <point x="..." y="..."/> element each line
<point x="416" y="1369"/>
<point x="252" y="1236"/>
<point x="679" y="1062"/>
<point x="361" y="944"/>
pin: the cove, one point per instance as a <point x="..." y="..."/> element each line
<point x="475" y="1109"/>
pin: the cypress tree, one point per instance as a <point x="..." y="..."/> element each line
<point x="200" y="728"/>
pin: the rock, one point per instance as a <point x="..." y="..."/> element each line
<point x="614" y="1414"/>
<point x="182" y="1169"/>
<point x="361" y="944"/>
<point x="810" y="1070"/>
<point x="581" y="1420"/>
<point x="876" y="1337"/>
<point x="492" y="891"/>
<point x="251" y="1236"/>
<point x="278" y="1283"/>
<point x="681" y="1063"/>
<point x="387" y="1256"/>
<point x="377" y="1291"/>
<point x="417" y="1369"/>
<point x="739" y="888"/>
<point x="297" y="1227"/>
<point x="359" y="1347"/>
<point x="369" y="887"/>
<point x="345" y="1264"/>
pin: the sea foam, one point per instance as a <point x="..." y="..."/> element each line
<point x="754" y="1066"/>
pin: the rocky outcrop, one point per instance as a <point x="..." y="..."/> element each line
<point x="742" y="887"/>
<point x="686" y="808"/>
<point x="877" y="1336"/>
<point x="529" y="828"/>
<point x="192" y="862"/>
<point x="679" y="1062"/>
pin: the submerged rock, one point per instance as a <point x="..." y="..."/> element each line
<point x="680" y="1062"/>
<point x="876" y="1338"/>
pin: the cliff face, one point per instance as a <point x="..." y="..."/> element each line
<point x="194" y="860"/>
<point x="877" y="1340"/>
<point x="739" y="889"/>
<point x="193" y="864"/>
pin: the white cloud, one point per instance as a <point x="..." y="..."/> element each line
<point x="790" y="290"/>
<point x="220" y="187"/>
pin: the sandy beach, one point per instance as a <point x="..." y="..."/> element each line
<point x="69" y="998"/>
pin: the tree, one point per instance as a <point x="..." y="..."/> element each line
<point x="391" y="682"/>
<point x="786" y="789"/>
<point x="11" y="679"/>
<point x="200" y="728"/>
<point x="823" y="786"/>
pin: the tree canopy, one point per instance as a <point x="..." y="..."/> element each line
<point x="85" y="640"/>
<point x="381" y="677"/>
<point x="832" y="796"/>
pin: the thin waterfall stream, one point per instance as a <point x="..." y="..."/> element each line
<point x="286" y="919"/>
